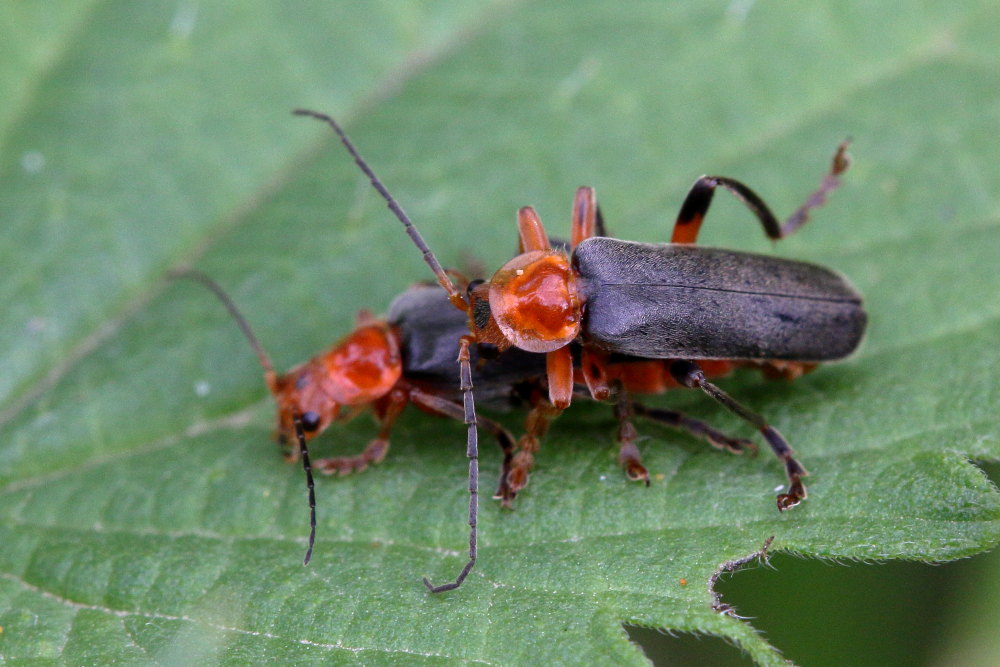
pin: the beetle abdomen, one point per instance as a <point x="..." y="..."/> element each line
<point x="430" y="328"/>
<point x="691" y="302"/>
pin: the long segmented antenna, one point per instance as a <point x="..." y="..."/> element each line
<point x="270" y="375"/>
<point x="456" y="297"/>
<point x="465" y="368"/>
<point x="472" y="451"/>
<point x="216" y="289"/>
<point x="307" y="466"/>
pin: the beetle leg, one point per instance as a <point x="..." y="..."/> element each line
<point x="376" y="450"/>
<point x="559" y="370"/>
<point x="472" y="452"/>
<point x="593" y="363"/>
<point x="599" y="229"/>
<point x="445" y="408"/>
<point x="584" y="223"/>
<point x="688" y="374"/>
<point x="535" y="426"/>
<point x="304" y="450"/>
<point x="700" y="198"/>
<point x="531" y="232"/>
<point x="695" y="427"/>
<point x="784" y="370"/>
<point x="628" y="453"/>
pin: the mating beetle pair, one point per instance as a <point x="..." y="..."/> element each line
<point x="616" y="316"/>
<point x="675" y="302"/>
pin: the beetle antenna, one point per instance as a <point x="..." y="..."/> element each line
<point x="307" y="466"/>
<point x="244" y="326"/>
<point x="265" y="362"/>
<point x="472" y="452"/>
<point x="454" y="295"/>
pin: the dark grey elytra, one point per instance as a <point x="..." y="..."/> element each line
<point x="693" y="302"/>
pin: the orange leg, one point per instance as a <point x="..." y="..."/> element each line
<point x="584" y="216"/>
<point x="628" y="453"/>
<point x="559" y="363"/>
<point x="532" y="233"/>
<point x="559" y="369"/>
<point x="586" y="223"/>
<point x="593" y="364"/>
<point x="784" y="370"/>
<point x="376" y="450"/>
<point x="535" y="427"/>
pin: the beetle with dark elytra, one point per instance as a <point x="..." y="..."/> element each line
<point x="689" y="306"/>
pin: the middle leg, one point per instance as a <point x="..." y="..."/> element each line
<point x="695" y="427"/>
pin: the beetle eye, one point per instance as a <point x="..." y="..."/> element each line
<point x="310" y="421"/>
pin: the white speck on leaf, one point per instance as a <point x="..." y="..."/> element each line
<point x="32" y="162"/>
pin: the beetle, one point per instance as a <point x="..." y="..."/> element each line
<point x="677" y="302"/>
<point x="368" y="368"/>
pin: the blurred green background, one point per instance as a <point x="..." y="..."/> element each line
<point x="135" y="137"/>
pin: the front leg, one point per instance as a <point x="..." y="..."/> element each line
<point x="535" y="427"/>
<point x="387" y="410"/>
<point x="445" y="408"/>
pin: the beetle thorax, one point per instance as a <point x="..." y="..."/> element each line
<point x="535" y="301"/>
<point x="361" y="368"/>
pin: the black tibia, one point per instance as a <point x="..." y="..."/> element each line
<point x="301" y="436"/>
<point x="628" y="453"/>
<point x="695" y="427"/>
<point x="698" y="200"/>
<point x="690" y="375"/>
<point x="599" y="229"/>
<point x="472" y="451"/>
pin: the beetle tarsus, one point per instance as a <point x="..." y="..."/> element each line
<point x="628" y="453"/>
<point x="373" y="453"/>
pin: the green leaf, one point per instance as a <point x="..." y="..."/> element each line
<point x="145" y="516"/>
